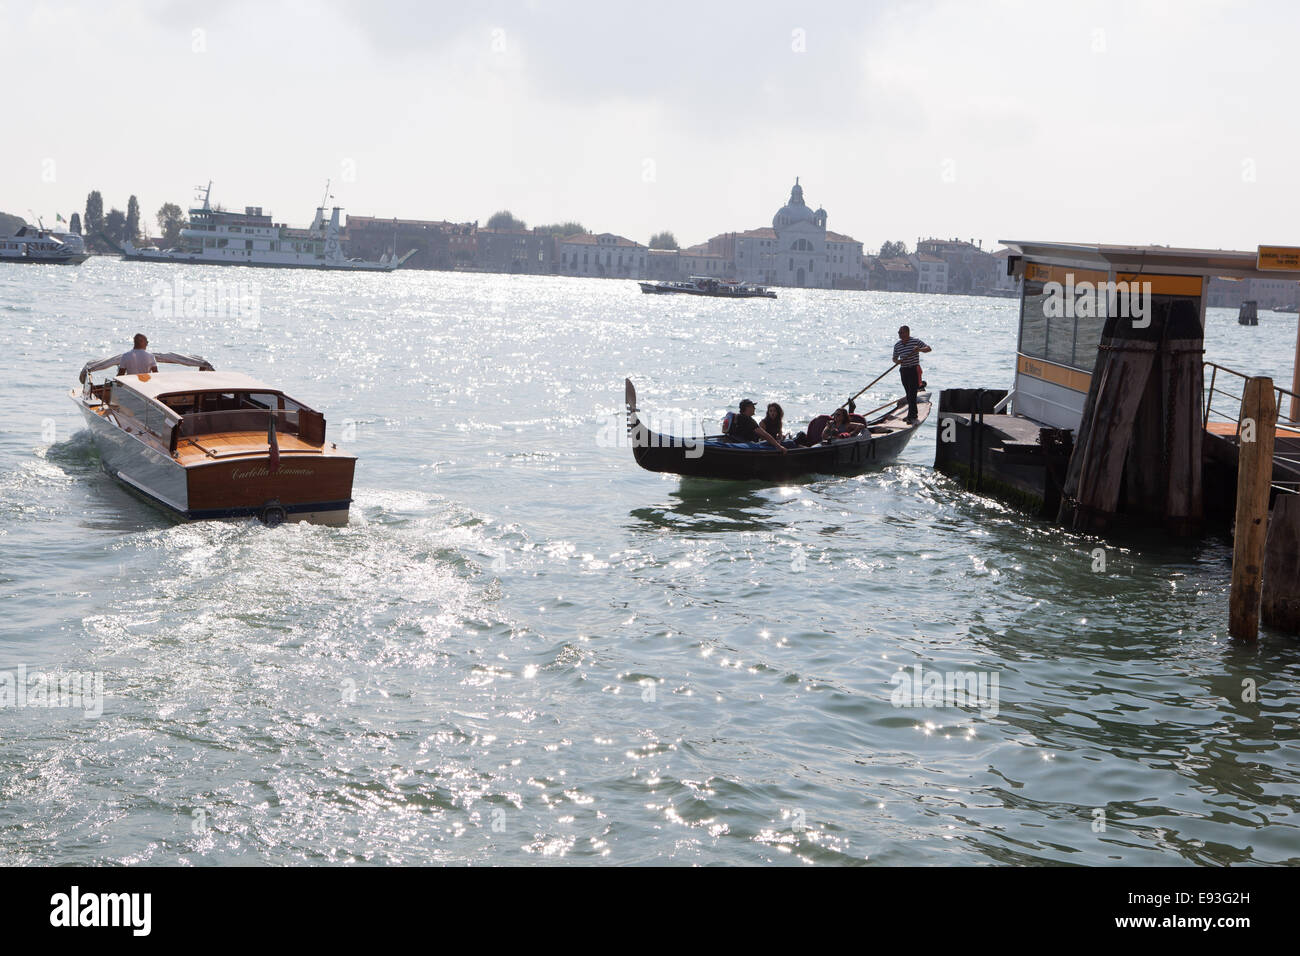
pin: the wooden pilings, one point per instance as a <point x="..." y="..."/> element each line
<point x="1280" y="601"/>
<point x="1139" y="440"/>
<point x="1254" y="482"/>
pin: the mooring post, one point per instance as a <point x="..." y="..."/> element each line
<point x="1254" y="480"/>
<point x="1295" y="376"/>
<point x="1279" y="604"/>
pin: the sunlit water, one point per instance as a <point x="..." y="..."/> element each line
<point x="523" y="648"/>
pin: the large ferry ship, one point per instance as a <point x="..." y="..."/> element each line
<point x="215" y="236"/>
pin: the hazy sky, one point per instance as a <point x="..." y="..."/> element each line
<point x="1170" y="122"/>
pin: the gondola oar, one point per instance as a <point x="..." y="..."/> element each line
<point x="873" y="382"/>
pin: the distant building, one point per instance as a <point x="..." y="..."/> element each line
<point x="1267" y="293"/>
<point x="663" y="264"/>
<point x="971" y="270"/>
<point x="437" y="244"/>
<point x="700" y="261"/>
<point x="603" y="254"/>
<point x="799" y="251"/>
<point x="796" y="250"/>
<point x="931" y="272"/>
<point x="517" y="251"/>
<point x="1003" y="284"/>
<point x="892" y="275"/>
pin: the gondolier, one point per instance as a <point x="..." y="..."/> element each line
<point x="907" y="356"/>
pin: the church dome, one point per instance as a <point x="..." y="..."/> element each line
<point x="795" y="211"/>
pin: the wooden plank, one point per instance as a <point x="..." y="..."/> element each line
<point x="1105" y="435"/>
<point x="1145" y="487"/>
<point x="1280" y="598"/>
<point x="1254" y="480"/>
<point x="1184" y="384"/>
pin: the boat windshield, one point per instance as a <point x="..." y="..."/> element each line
<point x="233" y="421"/>
<point x="212" y="413"/>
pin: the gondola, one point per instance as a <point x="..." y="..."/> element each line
<point x="713" y="457"/>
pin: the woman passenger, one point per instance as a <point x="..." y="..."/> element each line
<point x="774" y="421"/>
<point x="840" y="427"/>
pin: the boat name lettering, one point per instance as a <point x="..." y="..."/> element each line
<point x="261" y="471"/>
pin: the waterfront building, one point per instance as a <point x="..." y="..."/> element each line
<point x="1227" y="293"/>
<point x="1004" y="284"/>
<point x="603" y="254"/>
<point x="971" y="270"/>
<point x="892" y="275"/>
<point x="518" y="251"/>
<point x="438" y="244"/>
<point x="797" y="250"/>
<point x="931" y="272"/>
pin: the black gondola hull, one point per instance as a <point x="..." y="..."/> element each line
<point x="708" y="459"/>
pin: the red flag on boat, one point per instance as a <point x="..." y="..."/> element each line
<point x="273" y="460"/>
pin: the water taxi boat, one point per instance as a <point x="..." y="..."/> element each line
<point x="34" y="246"/>
<point x="707" y="285"/>
<point x="205" y="444"/>
<point x="215" y="236"/>
<point x="714" y="456"/>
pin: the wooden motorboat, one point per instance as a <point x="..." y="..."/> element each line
<point x="206" y="444"/>
<point x="714" y="456"/>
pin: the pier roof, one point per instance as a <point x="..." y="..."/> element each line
<point x="1166" y="260"/>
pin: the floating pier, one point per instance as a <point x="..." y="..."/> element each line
<point x="1116" y="421"/>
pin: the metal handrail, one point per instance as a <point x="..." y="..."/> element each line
<point x="1293" y="463"/>
<point x="1215" y="368"/>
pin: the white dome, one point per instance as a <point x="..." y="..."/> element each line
<point x="794" y="211"/>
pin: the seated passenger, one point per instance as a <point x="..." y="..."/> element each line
<point x="774" y="421"/>
<point x="840" y="426"/>
<point x="744" y="428"/>
<point x="137" y="361"/>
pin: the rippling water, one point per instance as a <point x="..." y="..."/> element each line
<point x="525" y="649"/>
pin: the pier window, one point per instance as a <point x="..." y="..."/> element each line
<point x="1051" y="331"/>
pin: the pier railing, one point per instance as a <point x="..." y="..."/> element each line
<point x="1223" y="406"/>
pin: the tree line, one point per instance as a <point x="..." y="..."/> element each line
<point x="117" y="226"/>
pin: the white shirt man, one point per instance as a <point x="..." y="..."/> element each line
<point x="137" y="361"/>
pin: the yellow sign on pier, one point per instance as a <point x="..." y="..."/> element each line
<point x="1278" y="259"/>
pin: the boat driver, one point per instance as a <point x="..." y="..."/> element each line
<point x="139" y="360"/>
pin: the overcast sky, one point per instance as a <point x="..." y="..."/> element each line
<point x="1165" y="122"/>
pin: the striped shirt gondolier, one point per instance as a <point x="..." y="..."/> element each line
<point x="908" y="354"/>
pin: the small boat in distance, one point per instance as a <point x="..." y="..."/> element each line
<point x="32" y="245"/>
<point x="205" y="444"/>
<point x="706" y="285"/>
<point x="714" y="456"/>
<point x="214" y="236"/>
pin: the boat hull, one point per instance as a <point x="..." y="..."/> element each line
<point x="650" y="288"/>
<point x="698" y="458"/>
<point x="313" y="488"/>
<point x="344" y="266"/>
<point x="74" y="259"/>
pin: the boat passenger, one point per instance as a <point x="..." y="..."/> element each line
<point x="840" y="426"/>
<point x="139" y="360"/>
<point x="744" y="428"/>
<point x="774" y="421"/>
